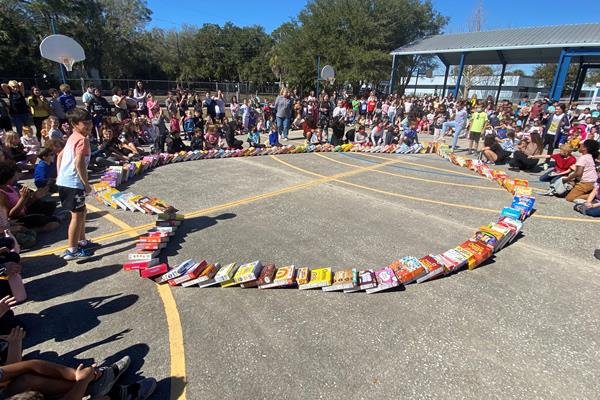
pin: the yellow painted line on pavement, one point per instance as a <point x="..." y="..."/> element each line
<point x="438" y="202"/>
<point x="108" y="216"/>
<point x="413" y="177"/>
<point x="141" y="228"/>
<point x="535" y="189"/>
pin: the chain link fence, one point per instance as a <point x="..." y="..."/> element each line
<point x="157" y="87"/>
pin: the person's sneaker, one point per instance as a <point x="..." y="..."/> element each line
<point x="597" y="254"/>
<point x="548" y="193"/>
<point x="110" y="375"/>
<point x="78" y="254"/>
<point x="140" y="390"/>
<point x="579" y="201"/>
<point x="88" y="245"/>
<point x="285" y="139"/>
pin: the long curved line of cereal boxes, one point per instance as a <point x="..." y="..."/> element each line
<point x="480" y="247"/>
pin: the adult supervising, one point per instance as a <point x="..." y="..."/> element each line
<point x="283" y="112"/>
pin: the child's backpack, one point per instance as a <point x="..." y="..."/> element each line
<point x="188" y="125"/>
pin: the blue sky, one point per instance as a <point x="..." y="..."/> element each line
<point x="271" y="13"/>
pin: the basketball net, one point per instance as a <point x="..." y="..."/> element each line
<point x="67" y="62"/>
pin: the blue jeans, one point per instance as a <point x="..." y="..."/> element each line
<point x="457" y="130"/>
<point x="19" y="121"/>
<point x="391" y="116"/>
<point x="547" y="177"/>
<point x="593" y="212"/>
<point x="283" y="126"/>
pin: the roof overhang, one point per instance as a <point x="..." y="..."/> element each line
<point x="510" y="46"/>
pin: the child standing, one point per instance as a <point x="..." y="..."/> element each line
<point x="174" y="123"/>
<point x="67" y="100"/>
<point x="72" y="181"/>
<point x="188" y="125"/>
<point x="475" y="126"/>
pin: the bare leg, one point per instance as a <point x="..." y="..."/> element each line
<point x="45" y="385"/>
<point x="73" y="232"/>
<point x="490" y="155"/>
<point x="82" y="225"/>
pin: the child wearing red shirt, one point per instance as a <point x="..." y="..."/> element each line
<point x="564" y="163"/>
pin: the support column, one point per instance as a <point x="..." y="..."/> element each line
<point x="394" y="74"/>
<point x="445" y="80"/>
<point x="581" y="74"/>
<point x="500" y="84"/>
<point x="461" y="67"/>
<point x="560" y="76"/>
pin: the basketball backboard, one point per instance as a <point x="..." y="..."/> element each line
<point x="62" y="49"/>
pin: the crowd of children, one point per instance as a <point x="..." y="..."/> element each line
<point x="58" y="143"/>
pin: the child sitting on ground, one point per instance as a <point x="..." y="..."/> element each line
<point x="197" y="142"/>
<point x="361" y="136"/>
<point x="17" y="152"/>
<point x="564" y="164"/>
<point x="274" y="136"/>
<point x="253" y="137"/>
<point x="409" y="136"/>
<point x="45" y="171"/>
<point x="175" y="144"/>
<point x="30" y="142"/>
<point x="493" y="151"/>
<point x="212" y="140"/>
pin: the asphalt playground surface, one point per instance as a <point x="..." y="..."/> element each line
<point x="524" y="326"/>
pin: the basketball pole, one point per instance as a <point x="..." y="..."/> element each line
<point x="61" y="72"/>
<point x="318" y="75"/>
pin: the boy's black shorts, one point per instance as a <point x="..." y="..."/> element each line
<point x="72" y="199"/>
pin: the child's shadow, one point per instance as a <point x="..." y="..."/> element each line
<point x="192" y="225"/>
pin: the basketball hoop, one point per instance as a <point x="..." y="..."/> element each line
<point x="62" y="49"/>
<point x="67" y="62"/>
<point x="328" y="74"/>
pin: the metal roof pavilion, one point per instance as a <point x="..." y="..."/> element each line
<point x="517" y="46"/>
<point x="546" y="44"/>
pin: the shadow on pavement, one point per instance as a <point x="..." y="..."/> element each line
<point x="71" y="358"/>
<point x="67" y="282"/>
<point x="166" y="386"/>
<point x="192" y="225"/>
<point x="34" y="266"/>
<point x="68" y="320"/>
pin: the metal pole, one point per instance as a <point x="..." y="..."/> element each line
<point x="318" y="76"/>
<point x="61" y="72"/>
<point x="577" y="89"/>
<point x="416" y="83"/>
<point x="501" y="82"/>
<point x="578" y="77"/>
<point x="461" y="67"/>
<point x="445" y="80"/>
<point x="394" y="75"/>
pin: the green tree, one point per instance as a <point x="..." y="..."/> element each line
<point x="354" y="36"/>
<point x="544" y="75"/>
